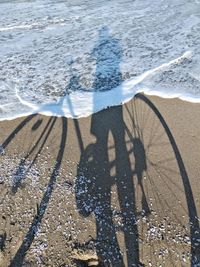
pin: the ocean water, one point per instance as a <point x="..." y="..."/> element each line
<point x="74" y="58"/>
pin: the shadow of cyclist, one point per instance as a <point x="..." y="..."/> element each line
<point x="94" y="179"/>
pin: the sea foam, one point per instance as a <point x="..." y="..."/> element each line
<point x="82" y="104"/>
<point x="74" y="58"/>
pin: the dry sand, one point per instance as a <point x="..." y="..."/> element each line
<point x="119" y="188"/>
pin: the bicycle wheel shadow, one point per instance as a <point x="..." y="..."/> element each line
<point x="42" y="135"/>
<point x="194" y="226"/>
<point x="165" y="190"/>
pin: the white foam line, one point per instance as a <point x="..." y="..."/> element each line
<point x="29" y="26"/>
<point x="10" y="28"/>
<point x="140" y="78"/>
<point x="83" y="104"/>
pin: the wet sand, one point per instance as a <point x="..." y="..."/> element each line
<point x="118" y="188"/>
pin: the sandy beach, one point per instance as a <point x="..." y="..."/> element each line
<point x="118" y="188"/>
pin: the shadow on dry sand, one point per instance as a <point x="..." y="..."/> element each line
<point x="95" y="166"/>
<point x="94" y="185"/>
<point x="29" y="237"/>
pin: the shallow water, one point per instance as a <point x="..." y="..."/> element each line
<point x="50" y="49"/>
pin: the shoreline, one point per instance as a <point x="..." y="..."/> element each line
<point x="80" y="103"/>
<point x="147" y="153"/>
<point x="45" y="110"/>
